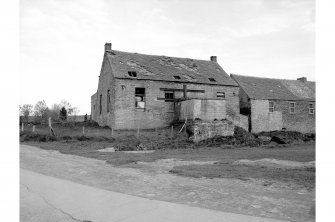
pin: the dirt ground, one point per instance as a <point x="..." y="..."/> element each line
<point x="153" y="180"/>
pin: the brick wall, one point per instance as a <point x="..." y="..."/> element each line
<point x="300" y="121"/>
<point x="106" y="82"/>
<point x="159" y="113"/>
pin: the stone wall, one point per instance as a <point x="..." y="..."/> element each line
<point x="240" y="120"/>
<point x="202" y="130"/>
<point x="207" y="110"/>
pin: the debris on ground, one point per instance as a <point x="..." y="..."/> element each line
<point x="108" y="150"/>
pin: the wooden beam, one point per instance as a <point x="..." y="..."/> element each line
<point x="181" y="90"/>
<point x="167" y="100"/>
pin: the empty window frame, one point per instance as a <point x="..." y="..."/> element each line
<point x="311" y="108"/>
<point x="169" y="96"/>
<point x="176" y="77"/>
<point x="271" y="106"/>
<point x="100" y="104"/>
<point x="132" y="73"/>
<point x="212" y="79"/>
<point x="292" y="107"/>
<point x="221" y="95"/>
<point x="108" y="100"/>
<point x="140" y="98"/>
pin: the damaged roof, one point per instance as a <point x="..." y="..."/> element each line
<point x="281" y="89"/>
<point x="163" y="68"/>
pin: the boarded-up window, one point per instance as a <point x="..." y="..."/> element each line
<point x="140" y="98"/>
<point x="271" y="106"/>
<point x="221" y="95"/>
<point x="108" y="100"/>
<point x="311" y="108"/>
<point x="292" y="107"/>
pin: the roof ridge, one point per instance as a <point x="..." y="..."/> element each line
<point x="113" y="50"/>
<point x="266" y="77"/>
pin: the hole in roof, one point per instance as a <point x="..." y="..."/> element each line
<point x="141" y="68"/>
<point x="176" y="77"/>
<point x="132" y="73"/>
<point x="212" y="79"/>
<point x="189" y="78"/>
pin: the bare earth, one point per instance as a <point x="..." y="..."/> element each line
<point x="152" y="180"/>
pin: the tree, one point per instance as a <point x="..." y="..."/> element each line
<point x="55" y="112"/>
<point x="66" y="105"/>
<point x="25" y="111"/>
<point x="73" y="112"/>
<point x="41" y="111"/>
<point x="63" y="114"/>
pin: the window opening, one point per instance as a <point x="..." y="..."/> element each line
<point x="140" y="98"/>
<point x="169" y="96"/>
<point x="311" y="108"/>
<point x="221" y="95"/>
<point x="292" y="107"/>
<point x="271" y="106"/>
<point x="132" y="73"/>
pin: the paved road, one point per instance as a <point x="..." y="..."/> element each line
<point x="45" y="198"/>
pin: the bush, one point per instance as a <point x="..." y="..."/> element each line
<point x="29" y="136"/>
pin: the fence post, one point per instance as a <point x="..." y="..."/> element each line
<point x="172" y="131"/>
<point x="52" y="132"/>
<point x="33" y="128"/>
<point x="83" y="130"/>
<point x="138" y="132"/>
<point x="22" y="128"/>
<point x="112" y="132"/>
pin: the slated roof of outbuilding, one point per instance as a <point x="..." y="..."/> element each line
<point x="281" y="89"/>
<point x="153" y="67"/>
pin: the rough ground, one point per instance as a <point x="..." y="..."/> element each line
<point x="152" y="180"/>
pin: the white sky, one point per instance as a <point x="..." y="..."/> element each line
<point x="62" y="41"/>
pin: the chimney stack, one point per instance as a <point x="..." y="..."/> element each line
<point x="108" y="46"/>
<point x="302" y="79"/>
<point x="213" y="58"/>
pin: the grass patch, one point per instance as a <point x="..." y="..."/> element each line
<point x="302" y="177"/>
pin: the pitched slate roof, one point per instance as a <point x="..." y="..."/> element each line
<point x="153" y="67"/>
<point x="281" y="89"/>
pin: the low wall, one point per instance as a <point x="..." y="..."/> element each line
<point x="206" y="110"/>
<point x="240" y="120"/>
<point x="202" y="130"/>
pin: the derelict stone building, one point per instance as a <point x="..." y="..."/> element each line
<point x="277" y="104"/>
<point x="146" y="91"/>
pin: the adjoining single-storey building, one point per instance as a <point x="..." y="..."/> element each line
<point x="141" y="91"/>
<point x="277" y="104"/>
